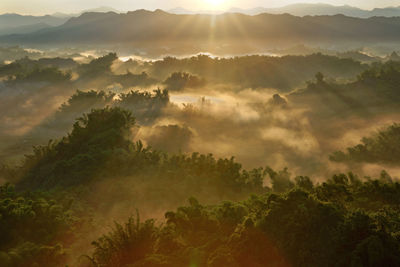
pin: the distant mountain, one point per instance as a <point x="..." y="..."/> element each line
<point x="20" y="24"/>
<point x="320" y="10"/>
<point x="162" y="29"/>
<point x="251" y="11"/>
<point x="62" y="15"/>
<point x="180" y="11"/>
<point x="24" y="29"/>
<point x="184" y="11"/>
<point x="8" y="21"/>
<point x="103" y="9"/>
<point x="386" y="12"/>
<point x="309" y="10"/>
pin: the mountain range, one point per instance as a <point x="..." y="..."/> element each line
<point x="10" y="21"/>
<point x="17" y="24"/>
<point x="20" y="24"/>
<point x="162" y="29"/>
<point x="308" y="10"/>
<point x="102" y="9"/>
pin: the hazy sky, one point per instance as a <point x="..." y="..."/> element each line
<point x="67" y="6"/>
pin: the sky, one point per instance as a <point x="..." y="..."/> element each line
<point x="40" y="7"/>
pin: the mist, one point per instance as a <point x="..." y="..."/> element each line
<point x="90" y="137"/>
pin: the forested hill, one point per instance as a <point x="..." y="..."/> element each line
<point x="145" y="26"/>
<point x="47" y="218"/>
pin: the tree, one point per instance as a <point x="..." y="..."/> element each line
<point x="320" y="77"/>
<point x="94" y="139"/>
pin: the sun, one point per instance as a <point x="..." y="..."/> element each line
<point x="215" y="3"/>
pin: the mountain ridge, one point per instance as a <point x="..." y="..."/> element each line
<point x="145" y="26"/>
<point x="305" y="9"/>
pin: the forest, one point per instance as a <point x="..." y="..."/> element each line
<point x="198" y="161"/>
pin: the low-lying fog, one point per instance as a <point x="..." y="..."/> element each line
<point x="224" y="115"/>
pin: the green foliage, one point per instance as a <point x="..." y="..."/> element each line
<point x="44" y="69"/>
<point x="281" y="181"/>
<point x="283" y="73"/>
<point x="31" y="228"/>
<point x="16" y="52"/>
<point x="304" y="182"/>
<point x="293" y="228"/>
<point x="94" y="139"/>
<point x="382" y="147"/>
<point x="344" y="221"/>
<point x="79" y="102"/>
<point x="97" y="67"/>
<point x="98" y="147"/>
<point x="126" y="244"/>
<point x="146" y="106"/>
<point x="129" y="79"/>
<point x="181" y="80"/>
<point x="37" y="74"/>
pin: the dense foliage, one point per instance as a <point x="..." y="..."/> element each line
<point x="99" y="147"/>
<point x="180" y="80"/>
<point x="146" y="106"/>
<point x="374" y="92"/>
<point x="33" y="229"/>
<point x="345" y="221"/>
<point x="342" y="222"/>
<point x="283" y="73"/>
<point x="64" y="193"/>
<point x="96" y="137"/>
<point x="383" y="147"/>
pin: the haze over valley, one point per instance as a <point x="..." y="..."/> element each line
<point x="170" y="134"/>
